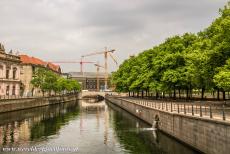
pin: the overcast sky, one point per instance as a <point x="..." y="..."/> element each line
<point x="66" y="29"/>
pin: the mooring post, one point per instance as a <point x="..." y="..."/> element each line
<point x="224" y="118"/>
<point x="184" y="109"/>
<point x="210" y="111"/>
<point x="192" y="110"/>
<point x="178" y="110"/>
<point x="204" y="109"/>
<point x="196" y="109"/>
<point x="200" y="110"/>
<point x="171" y="107"/>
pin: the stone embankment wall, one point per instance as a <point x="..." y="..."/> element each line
<point x="206" y="135"/>
<point x="25" y="103"/>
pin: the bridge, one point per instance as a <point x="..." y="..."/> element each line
<point x="84" y="94"/>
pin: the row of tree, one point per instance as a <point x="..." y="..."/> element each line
<point x="190" y="63"/>
<point x="48" y="82"/>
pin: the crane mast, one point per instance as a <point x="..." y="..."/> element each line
<point x="106" y="52"/>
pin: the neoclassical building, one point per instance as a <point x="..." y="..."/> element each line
<point x="9" y="73"/>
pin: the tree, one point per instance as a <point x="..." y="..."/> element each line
<point x="39" y="79"/>
<point x="187" y="62"/>
<point x="48" y="81"/>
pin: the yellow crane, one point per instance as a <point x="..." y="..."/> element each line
<point x="105" y="53"/>
<point x="98" y="70"/>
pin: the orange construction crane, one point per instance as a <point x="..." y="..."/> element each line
<point x="106" y="52"/>
<point x="80" y="62"/>
<point x="98" y="70"/>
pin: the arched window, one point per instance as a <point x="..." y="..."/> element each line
<point x="7" y="90"/>
<point x="14" y="90"/>
<point x="14" y="73"/>
<point x="1" y="71"/>
<point x="7" y="72"/>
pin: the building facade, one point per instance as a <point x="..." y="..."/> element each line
<point x="9" y="73"/>
<point x="88" y="80"/>
<point x="29" y="65"/>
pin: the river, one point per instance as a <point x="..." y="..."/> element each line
<point x="82" y="127"/>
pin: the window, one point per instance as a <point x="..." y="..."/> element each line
<point x="1" y="71"/>
<point x="7" y="73"/>
<point x="13" y="90"/>
<point x="14" y="72"/>
<point x="33" y="69"/>
<point x="7" y="90"/>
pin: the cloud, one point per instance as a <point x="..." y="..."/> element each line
<point x="66" y="29"/>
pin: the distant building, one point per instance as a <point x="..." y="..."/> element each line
<point x="9" y="73"/>
<point x="88" y="80"/>
<point x="28" y="68"/>
<point x="66" y="75"/>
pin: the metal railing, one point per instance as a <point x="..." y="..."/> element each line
<point x="11" y="97"/>
<point x="210" y="111"/>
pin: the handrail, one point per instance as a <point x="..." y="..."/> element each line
<point x="189" y="109"/>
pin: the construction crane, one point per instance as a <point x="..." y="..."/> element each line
<point x="98" y="70"/>
<point x="80" y="62"/>
<point x="106" y="53"/>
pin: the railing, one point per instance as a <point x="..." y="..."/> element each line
<point x="11" y="97"/>
<point x="210" y="111"/>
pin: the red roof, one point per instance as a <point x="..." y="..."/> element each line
<point x="36" y="61"/>
<point x="54" y="67"/>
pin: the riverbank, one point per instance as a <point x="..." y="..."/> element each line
<point x="25" y="103"/>
<point x="202" y="133"/>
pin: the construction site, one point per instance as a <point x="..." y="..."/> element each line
<point x="98" y="80"/>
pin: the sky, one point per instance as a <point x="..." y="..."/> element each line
<point x="64" y="30"/>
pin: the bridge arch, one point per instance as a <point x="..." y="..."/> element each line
<point x="84" y="94"/>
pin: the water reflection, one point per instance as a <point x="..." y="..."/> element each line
<point x="138" y="137"/>
<point x="90" y="126"/>
<point x="24" y="126"/>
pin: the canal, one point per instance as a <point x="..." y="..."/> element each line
<point x="97" y="128"/>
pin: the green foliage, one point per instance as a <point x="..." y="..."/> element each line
<point x="222" y="78"/>
<point x="48" y="81"/>
<point x="190" y="61"/>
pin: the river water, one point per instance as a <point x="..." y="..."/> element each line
<point x="82" y="127"/>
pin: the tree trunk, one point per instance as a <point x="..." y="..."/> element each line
<point x="223" y="92"/>
<point x="187" y="93"/>
<point x="129" y="93"/>
<point x="157" y="95"/>
<point x="174" y="93"/>
<point x="179" y="92"/>
<point x="218" y="94"/>
<point x="202" y="93"/>
<point x="190" y="89"/>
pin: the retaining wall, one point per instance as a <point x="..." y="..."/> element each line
<point x="25" y="103"/>
<point x="206" y="135"/>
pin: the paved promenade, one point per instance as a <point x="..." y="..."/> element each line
<point x="210" y="111"/>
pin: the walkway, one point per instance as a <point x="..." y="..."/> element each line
<point x="211" y="112"/>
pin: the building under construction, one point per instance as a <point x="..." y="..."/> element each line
<point x="88" y="80"/>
